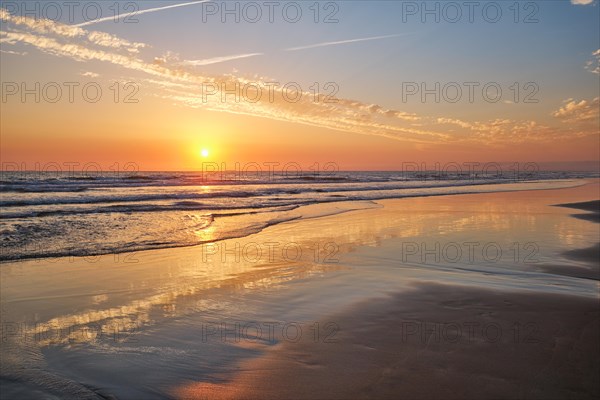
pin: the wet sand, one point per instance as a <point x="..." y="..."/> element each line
<point x="441" y="341"/>
<point x="135" y="325"/>
<point x="436" y="342"/>
<point x="589" y="255"/>
<point x="593" y="206"/>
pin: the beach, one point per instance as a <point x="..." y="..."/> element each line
<point x="453" y="296"/>
<point x="312" y="200"/>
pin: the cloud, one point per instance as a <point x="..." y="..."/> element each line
<point x="82" y="53"/>
<point x="108" y="40"/>
<point x="325" y="44"/>
<point x="500" y="132"/>
<point x="261" y="97"/>
<point x="90" y="74"/>
<point x="215" y="60"/>
<point x="43" y="26"/>
<point x="16" y="53"/>
<point x="139" y="12"/>
<point x="340" y="114"/>
<point x="594" y="65"/>
<point x="578" y="112"/>
<point x="48" y="27"/>
<point x="581" y="2"/>
<point x="337" y="114"/>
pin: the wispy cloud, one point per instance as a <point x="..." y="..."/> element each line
<point x="185" y="87"/>
<point x="216" y="60"/>
<point x="325" y="44"/>
<point x="89" y="74"/>
<point x="594" y="65"/>
<point x="579" y="111"/>
<point x="148" y="10"/>
<point x="16" y="53"/>
<point x="48" y="27"/>
<point x="581" y="2"/>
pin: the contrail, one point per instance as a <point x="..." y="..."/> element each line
<point x="312" y="46"/>
<point x="112" y="17"/>
<point x="215" y="60"/>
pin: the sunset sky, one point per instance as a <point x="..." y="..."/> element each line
<point x="176" y="58"/>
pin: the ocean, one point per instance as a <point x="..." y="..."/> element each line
<point x="62" y="214"/>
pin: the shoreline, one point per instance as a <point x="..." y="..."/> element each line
<point x="323" y="209"/>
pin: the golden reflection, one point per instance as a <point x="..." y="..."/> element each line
<point x="109" y="298"/>
<point x="206" y="234"/>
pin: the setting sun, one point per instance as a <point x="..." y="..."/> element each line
<point x="204" y="153"/>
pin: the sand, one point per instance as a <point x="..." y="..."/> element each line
<point x="442" y="341"/>
<point x="434" y="342"/>
<point x="148" y="325"/>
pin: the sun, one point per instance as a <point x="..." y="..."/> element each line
<point x="204" y="153"/>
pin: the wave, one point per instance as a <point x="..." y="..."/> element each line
<point x="245" y="191"/>
<point x="133" y="219"/>
<point x="38" y="182"/>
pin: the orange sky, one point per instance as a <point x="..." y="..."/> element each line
<point x="369" y="125"/>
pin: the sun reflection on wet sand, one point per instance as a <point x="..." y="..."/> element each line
<point x="73" y="304"/>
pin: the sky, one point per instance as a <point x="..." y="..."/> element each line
<point x="366" y="85"/>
